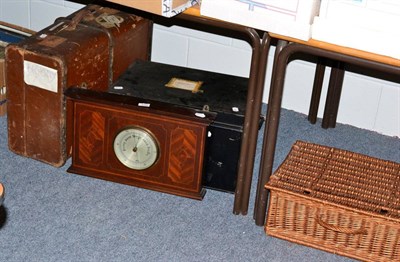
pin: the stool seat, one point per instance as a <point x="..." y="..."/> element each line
<point x="1" y="194"/>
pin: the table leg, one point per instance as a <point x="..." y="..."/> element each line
<point x="271" y="131"/>
<point x="316" y="91"/>
<point x="250" y="129"/>
<point x="333" y="95"/>
<point x="250" y="126"/>
<point x="255" y="114"/>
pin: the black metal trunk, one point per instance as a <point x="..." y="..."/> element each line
<point x="220" y="93"/>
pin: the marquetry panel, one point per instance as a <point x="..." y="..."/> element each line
<point x="91" y="137"/>
<point x="182" y="150"/>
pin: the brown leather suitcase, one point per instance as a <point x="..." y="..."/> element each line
<point x="89" y="49"/>
<point x="9" y="33"/>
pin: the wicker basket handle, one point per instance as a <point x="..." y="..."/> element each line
<point x="339" y="229"/>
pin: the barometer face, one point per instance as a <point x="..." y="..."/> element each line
<point x="136" y="148"/>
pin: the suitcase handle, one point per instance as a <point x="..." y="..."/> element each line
<point x="80" y="15"/>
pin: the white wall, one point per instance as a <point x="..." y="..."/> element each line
<point x="367" y="102"/>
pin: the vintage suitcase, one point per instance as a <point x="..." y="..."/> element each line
<point x="198" y="89"/>
<point x="89" y="49"/>
<point x="9" y="33"/>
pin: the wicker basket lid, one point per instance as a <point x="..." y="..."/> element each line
<point x="340" y="177"/>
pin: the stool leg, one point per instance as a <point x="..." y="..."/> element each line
<point x="1" y="193"/>
<point x="333" y="95"/>
<point x="316" y="92"/>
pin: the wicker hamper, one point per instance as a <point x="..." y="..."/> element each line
<point x="338" y="201"/>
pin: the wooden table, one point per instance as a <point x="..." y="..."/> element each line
<point x="341" y="50"/>
<point x="286" y="47"/>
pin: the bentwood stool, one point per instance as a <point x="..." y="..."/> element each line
<point x="1" y="194"/>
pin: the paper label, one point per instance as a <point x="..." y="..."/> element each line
<point x="144" y="104"/>
<point x="109" y="21"/>
<point x="201" y="115"/>
<point x="184" y="84"/>
<point x="174" y="7"/>
<point x="40" y="76"/>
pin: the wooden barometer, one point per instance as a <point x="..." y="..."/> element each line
<point x="138" y="142"/>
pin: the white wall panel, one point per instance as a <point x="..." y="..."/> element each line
<point x="359" y="101"/>
<point x="15" y="12"/>
<point x="168" y="47"/>
<point x="298" y="86"/>
<point x="72" y="4"/>
<point x="218" y="58"/>
<point x="183" y="31"/>
<point x="47" y="12"/>
<point x="388" y="115"/>
<point x="241" y="44"/>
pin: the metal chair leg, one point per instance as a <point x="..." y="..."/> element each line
<point x="333" y="95"/>
<point x="316" y="92"/>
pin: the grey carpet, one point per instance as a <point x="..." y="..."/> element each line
<point x="51" y="215"/>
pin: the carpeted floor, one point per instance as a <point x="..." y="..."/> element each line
<point x="51" y="215"/>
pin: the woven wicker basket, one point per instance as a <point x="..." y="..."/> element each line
<point x="338" y="201"/>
